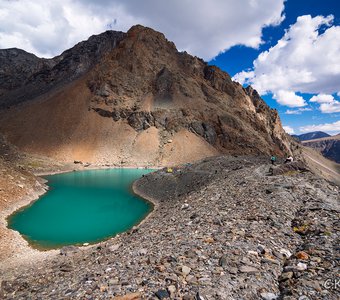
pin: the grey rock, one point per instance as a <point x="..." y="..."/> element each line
<point x="162" y="294"/>
<point x="268" y="296"/>
<point x="285" y="168"/>
<point x="114" y="248"/>
<point x="197" y="127"/>
<point x="185" y="270"/>
<point x="248" y="269"/>
<point x="223" y="261"/>
<point x="68" y="250"/>
<point x="233" y="270"/>
<point x="286" y="275"/>
<point x="102" y="112"/>
<point x="209" y="133"/>
<point x="66" y="267"/>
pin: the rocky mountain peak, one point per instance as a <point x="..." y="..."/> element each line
<point x="146" y="35"/>
<point x="24" y="76"/>
<point x="137" y="82"/>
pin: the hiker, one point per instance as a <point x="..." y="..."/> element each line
<point x="273" y="159"/>
<point x="289" y="159"/>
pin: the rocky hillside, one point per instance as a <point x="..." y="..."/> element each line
<point x="222" y="228"/>
<point x="131" y="99"/>
<point x="16" y="183"/>
<point x="329" y="147"/>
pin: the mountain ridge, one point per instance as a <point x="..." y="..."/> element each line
<point x="42" y="74"/>
<point x="138" y="101"/>
<point x="311" y="135"/>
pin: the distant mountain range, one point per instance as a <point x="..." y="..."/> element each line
<point x="311" y="135"/>
<point x="327" y="145"/>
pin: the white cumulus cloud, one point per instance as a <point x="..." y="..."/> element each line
<point x="306" y="60"/>
<point x="289" y="98"/>
<point x="288" y="129"/>
<point x="331" y="107"/>
<point x="204" y="28"/>
<point x="322" y="98"/>
<point x="328" y="104"/>
<point x="328" y="127"/>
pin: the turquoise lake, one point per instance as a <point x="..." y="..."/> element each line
<point x="82" y="207"/>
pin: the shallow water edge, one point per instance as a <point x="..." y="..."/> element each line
<point x="26" y="254"/>
<point x="82" y="208"/>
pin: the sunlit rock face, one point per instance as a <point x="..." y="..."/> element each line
<point x="131" y="98"/>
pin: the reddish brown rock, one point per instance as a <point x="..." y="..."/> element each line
<point x="119" y="97"/>
<point x="132" y="296"/>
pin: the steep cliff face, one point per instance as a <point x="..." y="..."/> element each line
<point x="140" y="101"/>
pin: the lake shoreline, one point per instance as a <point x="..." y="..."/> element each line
<point x="91" y="167"/>
<point x="27" y="254"/>
<point x="222" y="227"/>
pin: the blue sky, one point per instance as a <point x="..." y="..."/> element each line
<point x="240" y="58"/>
<point x="289" y="51"/>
